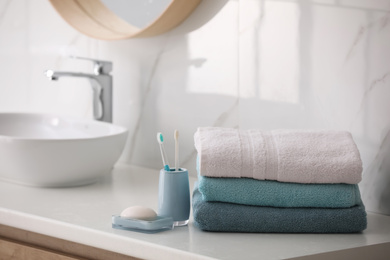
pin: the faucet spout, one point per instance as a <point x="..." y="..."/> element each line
<point x="54" y="75"/>
<point x="101" y="83"/>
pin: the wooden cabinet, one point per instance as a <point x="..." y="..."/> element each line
<point x="17" y="244"/>
<point x="11" y="250"/>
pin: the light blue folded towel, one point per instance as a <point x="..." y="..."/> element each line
<point x="229" y="217"/>
<point x="278" y="194"/>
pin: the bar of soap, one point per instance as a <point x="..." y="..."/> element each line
<point x="139" y="212"/>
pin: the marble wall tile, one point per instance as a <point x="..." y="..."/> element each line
<point x="13" y="51"/>
<point x="192" y="82"/>
<point x="235" y="63"/>
<point x="321" y="64"/>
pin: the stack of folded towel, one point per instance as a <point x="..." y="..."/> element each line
<point x="290" y="181"/>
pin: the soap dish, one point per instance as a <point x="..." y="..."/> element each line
<point x="161" y="223"/>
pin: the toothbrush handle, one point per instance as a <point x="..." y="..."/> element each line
<point x="177" y="156"/>
<point x="164" y="156"/>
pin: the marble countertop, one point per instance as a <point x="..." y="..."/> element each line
<point x="83" y="215"/>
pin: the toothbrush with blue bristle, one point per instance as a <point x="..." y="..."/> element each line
<point x="160" y="140"/>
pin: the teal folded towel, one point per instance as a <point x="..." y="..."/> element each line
<point x="278" y="194"/>
<point x="229" y="217"/>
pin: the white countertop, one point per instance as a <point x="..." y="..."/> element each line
<point x="83" y="215"/>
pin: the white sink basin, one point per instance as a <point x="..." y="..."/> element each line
<point x="52" y="151"/>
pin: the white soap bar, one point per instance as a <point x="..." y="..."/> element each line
<point x="139" y="212"/>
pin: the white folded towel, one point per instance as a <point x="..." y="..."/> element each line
<point x="302" y="156"/>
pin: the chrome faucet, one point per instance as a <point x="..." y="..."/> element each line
<point x="101" y="82"/>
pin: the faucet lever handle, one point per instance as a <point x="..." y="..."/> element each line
<point x="99" y="66"/>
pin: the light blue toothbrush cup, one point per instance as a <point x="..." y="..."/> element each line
<point x="174" y="195"/>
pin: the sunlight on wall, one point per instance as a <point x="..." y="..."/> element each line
<point x="218" y="73"/>
<point x="267" y="44"/>
<point x="269" y="30"/>
<point x="278" y="53"/>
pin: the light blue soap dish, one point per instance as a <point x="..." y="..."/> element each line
<point x="144" y="226"/>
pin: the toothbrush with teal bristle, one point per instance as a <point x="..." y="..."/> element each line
<point x="160" y="140"/>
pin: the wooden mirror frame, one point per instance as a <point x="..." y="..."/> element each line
<point x="93" y="18"/>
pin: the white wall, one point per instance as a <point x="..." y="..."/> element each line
<point x="253" y="64"/>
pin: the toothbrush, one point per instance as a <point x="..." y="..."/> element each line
<point x="160" y="140"/>
<point x="176" y="136"/>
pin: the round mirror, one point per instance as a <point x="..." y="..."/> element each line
<point x="122" y="19"/>
<point x="136" y="12"/>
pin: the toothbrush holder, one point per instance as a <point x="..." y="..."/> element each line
<point x="174" y="195"/>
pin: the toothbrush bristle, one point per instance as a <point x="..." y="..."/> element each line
<point x="160" y="138"/>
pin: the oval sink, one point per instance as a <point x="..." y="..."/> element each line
<point x="52" y="151"/>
